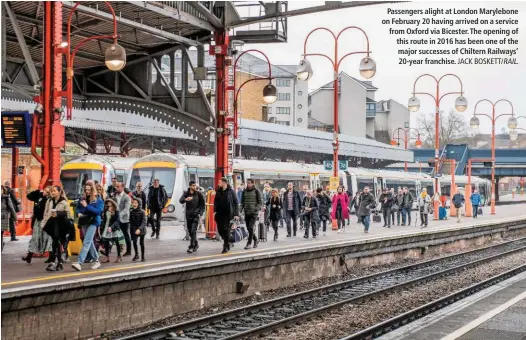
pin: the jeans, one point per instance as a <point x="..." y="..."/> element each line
<point x="387" y="216"/>
<point x="398" y="214"/>
<point x="155" y="217"/>
<point x="125" y="227"/>
<point x="88" y="246"/>
<point x="251" y="223"/>
<point x="324" y="223"/>
<point x="423" y="219"/>
<point x="475" y="210"/>
<point x="312" y="224"/>
<point x="291" y="215"/>
<point x="191" y="224"/>
<point x="141" y="241"/>
<point x="366" y="221"/>
<point x="406" y="216"/>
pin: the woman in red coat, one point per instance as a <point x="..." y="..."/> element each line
<point x="339" y="212"/>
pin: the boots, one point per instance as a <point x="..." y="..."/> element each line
<point x="196" y="246"/>
<point x="135" y="258"/>
<point x="118" y="260"/>
<point x="28" y="257"/>
<point x="275" y="236"/>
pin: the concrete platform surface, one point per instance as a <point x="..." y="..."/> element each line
<point x="498" y="312"/>
<point x="170" y="250"/>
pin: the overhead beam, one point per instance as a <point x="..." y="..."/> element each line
<point x="215" y="21"/>
<point x="135" y="86"/>
<point x="33" y="74"/>
<point x="158" y="33"/>
<point x="303" y="11"/>
<point x="166" y="83"/>
<point x="18" y="90"/>
<point x="201" y="90"/>
<point x="173" y="13"/>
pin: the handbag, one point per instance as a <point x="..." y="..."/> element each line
<point x="85" y="220"/>
<point x="394" y="207"/>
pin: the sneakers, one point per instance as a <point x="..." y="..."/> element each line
<point x="77" y="266"/>
<point x="96" y="265"/>
<point x="189" y="251"/>
<point x="248" y="246"/>
<point x="338" y="231"/>
<point x="196" y="246"/>
<point x="153" y="234"/>
<point x="324" y="233"/>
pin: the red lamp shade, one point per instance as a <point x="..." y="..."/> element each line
<point x="393" y="142"/>
<point x="418" y="143"/>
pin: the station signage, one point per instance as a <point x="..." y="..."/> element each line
<point x="16" y="129"/>
<point x="342" y="165"/>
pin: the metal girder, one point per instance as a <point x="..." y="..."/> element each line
<point x="133" y="24"/>
<point x="99" y="85"/>
<point x="33" y="74"/>
<point x="135" y="86"/>
<point x="18" y="90"/>
<point x="166" y="83"/>
<point x="200" y="89"/>
<point x="303" y="11"/>
<point x="215" y="21"/>
<point x="174" y="14"/>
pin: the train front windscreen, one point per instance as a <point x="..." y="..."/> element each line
<point x="73" y="180"/>
<point x="146" y="176"/>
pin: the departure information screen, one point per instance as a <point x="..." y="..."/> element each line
<point x="16" y="129"/>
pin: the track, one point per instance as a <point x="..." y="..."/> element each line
<point x="264" y="317"/>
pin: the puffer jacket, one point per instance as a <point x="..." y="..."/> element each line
<point x="276" y="206"/>
<point x="324" y="203"/>
<point x="138" y="220"/>
<point x="60" y="226"/>
<point x="194" y="207"/>
<point x="251" y="201"/>
<point x="475" y="199"/>
<point x="40" y="203"/>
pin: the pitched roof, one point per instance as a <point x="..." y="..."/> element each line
<point x="365" y="83"/>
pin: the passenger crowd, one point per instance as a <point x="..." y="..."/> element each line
<point x="115" y="218"/>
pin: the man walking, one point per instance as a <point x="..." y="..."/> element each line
<point x="367" y="202"/>
<point x="112" y="188"/>
<point x="407" y="206"/>
<point x="310" y="214"/>
<point x="475" y="201"/>
<point x="251" y="205"/>
<point x="157" y="198"/>
<point x="292" y="205"/>
<point x="225" y="208"/>
<point x="386" y="200"/>
<point x="458" y="201"/>
<point x="194" y="201"/>
<point x="123" y="205"/>
<point x="13" y="217"/>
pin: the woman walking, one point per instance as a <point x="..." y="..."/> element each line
<point x="138" y="222"/>
<point x="101" y="191"/>
<point x="111" y="229"/>
<point x="324" y="202"/>
<point x="339" y="212"/>
<point x="57" y="223"/>
<point x="276" y="205"/>
<point x="89" y="207"/>
<point x="40" y="242"/>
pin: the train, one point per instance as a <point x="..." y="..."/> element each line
<point x="175" y="171"/>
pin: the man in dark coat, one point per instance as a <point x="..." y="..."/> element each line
<point x="310" y="214"/>
<point x="292" y="208"/>
<point x="157" y="199"/>
<point x="324" y="204"/>
<point x="407" y="206"/>
<point x="251" y="205"/>
<point x="13" y="220"/>
<point x="112" y="188"/>
<point x="367" y="202"/>
<point x="225" y="209"/>
<point x="386" y="199"/>
<point x="194" y="201"/>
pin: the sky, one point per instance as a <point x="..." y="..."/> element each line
<point x="396" y="81"/>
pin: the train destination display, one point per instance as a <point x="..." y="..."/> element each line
<point x="16" y="129"/>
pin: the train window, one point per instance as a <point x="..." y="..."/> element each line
<point x="73" y="181"/>
<point x="146" y="176"/>
<point x="392" y="183"/>
<point x="206" y="182"/>
<point x="365" y="182"/>
<point x="349" y="185"/>
<point x="446" y="190"/>
<point x="193" y="177"/>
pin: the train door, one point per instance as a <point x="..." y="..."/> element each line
<point x="378" y="186"/>
<point x="238" y="179"/>
<point x="314" y="181"/>
<point x="192" y="175"/>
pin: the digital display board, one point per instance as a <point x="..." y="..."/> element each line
<point x="16" y="129"/>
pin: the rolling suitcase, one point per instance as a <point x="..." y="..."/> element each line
<point x="262" y="227"/>
<point x="442" y="213"/>
<point x="377" y="217"/>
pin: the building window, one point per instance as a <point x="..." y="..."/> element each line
<point x="371" y="107"/>
<point x="283" y="110"/>
<point x="269" y="110"/>
<point x="283" y="96"/>
<point x="283" y="122"/>
<point x="300" y="93"/>
<point x="283" y="82"/>
<point x="300" y="106"/>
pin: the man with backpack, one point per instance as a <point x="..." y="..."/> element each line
<point x="458" y="201"/>
<point x="251" y="205"/>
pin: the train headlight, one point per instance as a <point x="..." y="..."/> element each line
<point x="171" y="208"/>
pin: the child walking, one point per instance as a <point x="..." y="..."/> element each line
<point x="138" y="222"/>
<point x="111" y="230"/>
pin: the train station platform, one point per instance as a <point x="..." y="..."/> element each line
<point x="498" y="312"/>
<point x="173" y="282"/>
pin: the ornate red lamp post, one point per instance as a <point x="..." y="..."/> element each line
<point x="395" y="141"/>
